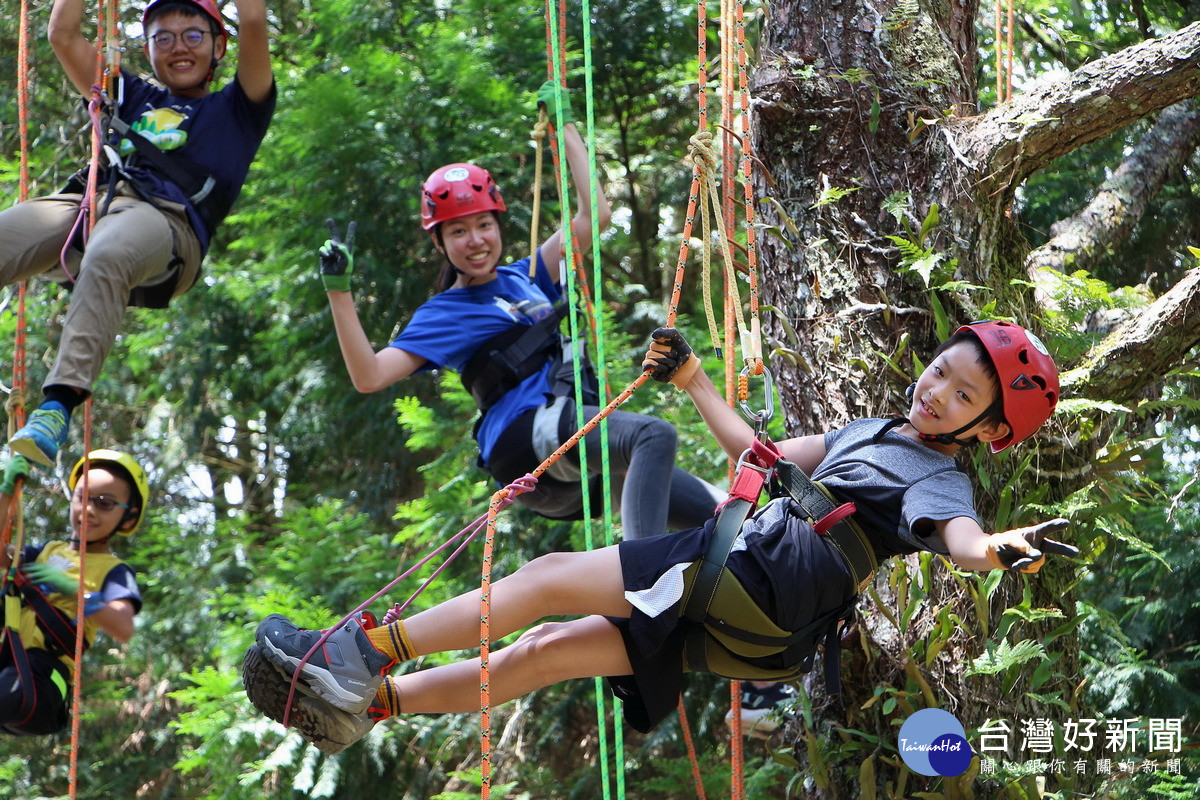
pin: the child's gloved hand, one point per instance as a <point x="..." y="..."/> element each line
<point x="16" y="468"/>
<point x="1025" y="549"/>
<point x="549" y="97"/>
<point x="337" y="259"/>
<point x="670" y="358"/>
<point x="50" y="578"/>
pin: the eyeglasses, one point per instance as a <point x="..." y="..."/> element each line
<point x="102" y="502"/>
<point x="192" y="37"/>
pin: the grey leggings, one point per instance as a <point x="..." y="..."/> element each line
<point x="653" y="494"/>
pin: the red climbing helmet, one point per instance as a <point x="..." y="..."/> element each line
<point x="1028" y="377"/>
<point x="209" y="7"/>
<point x="458" y="190"/>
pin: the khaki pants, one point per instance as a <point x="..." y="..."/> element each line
<point x="134" y="244"/>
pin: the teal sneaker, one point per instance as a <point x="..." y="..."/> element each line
<point x="43" y="434"/>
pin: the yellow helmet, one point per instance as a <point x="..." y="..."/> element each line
<point x="127" y="463"/>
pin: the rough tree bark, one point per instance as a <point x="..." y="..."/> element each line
<point x="865" y="117"/>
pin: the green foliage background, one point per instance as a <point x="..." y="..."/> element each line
<point x="278" y="488"/>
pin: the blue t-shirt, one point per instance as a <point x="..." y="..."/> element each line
<point x="220" y="132"/>
<point x="449" y="328"/>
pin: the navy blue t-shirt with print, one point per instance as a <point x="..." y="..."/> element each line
<point x="449" y="328"/>
<point x="220" y="132"/>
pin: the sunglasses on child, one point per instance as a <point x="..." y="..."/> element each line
<point x="192" y="37"/>
<point x="102" y="502"/>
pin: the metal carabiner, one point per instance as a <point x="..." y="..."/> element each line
<point x="760" y="418"/>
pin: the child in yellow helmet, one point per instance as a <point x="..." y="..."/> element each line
<point x="108" y="497"/>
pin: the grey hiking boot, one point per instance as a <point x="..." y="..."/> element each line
<point x="346" y="671"/>
<point x="328" y="728"/>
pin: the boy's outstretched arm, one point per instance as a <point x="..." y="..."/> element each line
<point x="74" y="51"/>
<point x="1022" y="549"/>
<point x="671" y="360"/>
<point x="254" y="51"/>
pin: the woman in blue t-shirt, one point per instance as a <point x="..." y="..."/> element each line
<point x="484" y="312"/>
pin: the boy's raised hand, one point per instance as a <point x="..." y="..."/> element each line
<point x="16" y="469"/>
<point x="548" y="96"/>
<point x="1025" y="549"/>
<point x="337" y="258"/>
<point x="670" y="358"/>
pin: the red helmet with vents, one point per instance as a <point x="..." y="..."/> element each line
<point x="458" y="190"/>
<point x="1028" y="378"/>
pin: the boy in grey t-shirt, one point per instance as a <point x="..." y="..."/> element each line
<point x="992" y="382"/>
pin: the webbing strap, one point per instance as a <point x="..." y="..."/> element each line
<point x="843" y="531"/>
<point x="179" y="169"/>
<point x="704" y="588"/>
<point x="510" y="357"/>
<point x="20" y="659"/>
<point x="58" y="628"/>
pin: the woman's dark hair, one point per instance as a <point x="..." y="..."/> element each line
<point x="996" y="410"/>
<point x="449" y="273"/>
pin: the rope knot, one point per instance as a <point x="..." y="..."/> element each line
<point x="504" y="497"/>
<point x="702" y="152"/>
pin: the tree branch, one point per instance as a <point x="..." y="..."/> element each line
<point x="1138" y="354"/>
<point x="1017" y="138"/>
<point x="1077" y="242"/>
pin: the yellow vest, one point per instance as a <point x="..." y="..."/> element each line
<point x="61" y="555"/>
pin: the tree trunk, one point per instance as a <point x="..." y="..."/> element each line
<point x="890" y="182"/>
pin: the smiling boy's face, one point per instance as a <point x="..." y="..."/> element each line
<point x="103" y="489"/>
<point x="953" y="391"/>
<point x="183" y="70"/>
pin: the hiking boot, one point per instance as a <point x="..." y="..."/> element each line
<point x="346" y="670"/>
<point x="43" y="434"/>
<point x="327" y="727"/>
<point x="761" y="708"/>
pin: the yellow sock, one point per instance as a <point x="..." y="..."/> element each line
<point x="387" y="701"/>
<point x="392" y="640"/>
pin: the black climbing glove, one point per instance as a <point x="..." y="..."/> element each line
<point x="337" y="259"/>
<point x="1025" y="549"/>
<point x="670" y="358"/>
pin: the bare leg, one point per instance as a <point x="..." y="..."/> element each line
<point x="545" y="655"/>
<point x="552" y="585"/>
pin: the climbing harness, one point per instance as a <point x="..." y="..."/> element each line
<point x="521" y="351"/>
<point x="732" y="636"/>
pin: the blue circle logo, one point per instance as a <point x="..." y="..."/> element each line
<point x="933" y="742"/>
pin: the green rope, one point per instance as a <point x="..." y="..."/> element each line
<point x="574" y="327"/>
<point x="601" y="360"/>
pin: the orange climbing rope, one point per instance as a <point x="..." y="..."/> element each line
<point x="108" y="60"/>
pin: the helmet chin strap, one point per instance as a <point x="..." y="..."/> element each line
<point x="952" y="437"/>
<point x="76" y="544"/>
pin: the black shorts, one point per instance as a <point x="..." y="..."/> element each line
<point x="792" y="573"/>
<point x="50" y="709"/>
